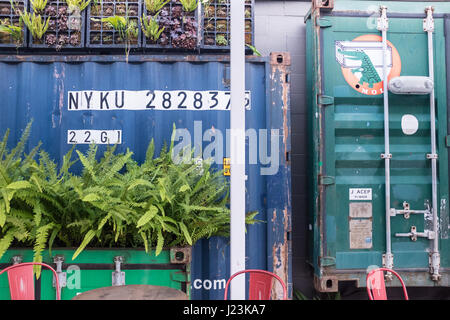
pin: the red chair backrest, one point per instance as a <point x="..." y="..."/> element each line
<point x="260" y="284"/>
<point x="21" y="283"/>
<point x="21" y="280"/>
<point x="376" y="287"/>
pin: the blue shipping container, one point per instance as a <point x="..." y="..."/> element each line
<point x="83" y="99"/>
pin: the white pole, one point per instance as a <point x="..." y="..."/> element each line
<point x="237" y="148"/>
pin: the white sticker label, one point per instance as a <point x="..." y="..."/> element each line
<point x="360" y="194"/>
<point x="94" y="136"/>
<point x="410" y="124"/>
<point x="152" y="100"/>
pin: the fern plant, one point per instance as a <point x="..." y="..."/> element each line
<point x="38" y="5"/>
<point x="150" y="27"/>
<point x="80" y="4"/>
<point x="113" y="202"/>
<point x="126" y="28"/>
<point x="14" y="31"/>
<point x="36" y="24"/>
<point x="153" y="6"/>
<point x="189" y="5"/>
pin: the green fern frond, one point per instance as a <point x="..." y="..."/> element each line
<point x="40" y="243"/>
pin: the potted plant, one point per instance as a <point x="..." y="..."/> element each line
<point x="215" y="26"/>
<point x="178" y="21"/>
<point x="12" y="30"/>
<point x="114" y="25"/>
<point x="56" y="24"/>
<point x="114" y="202"/>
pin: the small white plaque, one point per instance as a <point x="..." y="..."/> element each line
<point x="360" y="193"/>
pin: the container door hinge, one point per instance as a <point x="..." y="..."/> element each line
<point x="326" y="180"/>
<point x="388" y="262"/>
<point x="325" y="100"/>
<point x="323" y="23"/>
<point x="118" y="276"/>
<point x="62" y="276"/>
<point x="327" y="261"/>
<point x="435" y="265"/>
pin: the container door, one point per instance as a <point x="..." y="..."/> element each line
<point x="353" y="132"/>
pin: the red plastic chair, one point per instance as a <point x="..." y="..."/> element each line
<point x="260" y="284"/>
<point x="21" y="280"/>
<point x="376" y="287"/>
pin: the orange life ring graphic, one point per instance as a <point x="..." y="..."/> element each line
<point x="361" y="63"/>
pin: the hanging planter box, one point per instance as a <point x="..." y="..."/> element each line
<point x="66" y="27"/>
<point x="9" y="15"/>
<point x="102" y="34"/>
<point x="215" y="24"/>
<point x="180" y="28"/>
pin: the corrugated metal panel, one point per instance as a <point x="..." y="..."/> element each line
<point x="347" y="117"/>
<point x="36" y="87"/>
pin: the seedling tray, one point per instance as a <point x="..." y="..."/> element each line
<point x="101" y="34"/>
<point x="215" y="25"/>
<point x="66" y="28"/>
<point x="181" y="31"/>
<point x="10" y="14"/>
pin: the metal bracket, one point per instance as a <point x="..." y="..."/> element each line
<point x="435" y="264"/>
<point x="17" y="259"/>
<point x="326" y="180"/>
<point x="428" y="22"/>
<point x="407" y="211"/>
<point x="383" y="21"/>
<point x="62" y="276"/>
<point x="323" y="4"/>
<point x="325" y="100"/>
<point x="432" y="156"/>
<point x="414" y="234"/>
<point x="118" y="276"/>
<point x="323" y="23"/>
<point x="388" y="262"/>
<point x="386" y="156"/>
<point x="327" y="261"/>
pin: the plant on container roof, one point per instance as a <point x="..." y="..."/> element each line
<point x="38" y="5"/>
<point x="189" y="5"/>
<point x="150" y="27"/>
<point x="221" y="40"/>
<point x="80" y="4"/>
<point x="14" y="31"/>
<point x="36" y="24"/>
<point x="254" y="50"/>
<point x="153" y="6"/>
<point x="126" y="28"/>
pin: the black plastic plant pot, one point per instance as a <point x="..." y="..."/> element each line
<point x="10" y="15"/>
<point x="66" y="27"/>
<point x="101" y="34"/>
<point x="215" y="25"/>
<point x="180" y="28"/>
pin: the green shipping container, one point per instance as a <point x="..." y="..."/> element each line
<point x="377" y="82"/>
<point x="97" y="268"/>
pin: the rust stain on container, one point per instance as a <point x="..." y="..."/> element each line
<point x="280" y="254"/>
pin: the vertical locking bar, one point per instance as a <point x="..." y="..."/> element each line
<point x="62" y="276"/>
<point x="118" y="276"/>
<point x="383" y="26"/>
<point x="428" y="26"/>
<point x="17" y="259"/>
